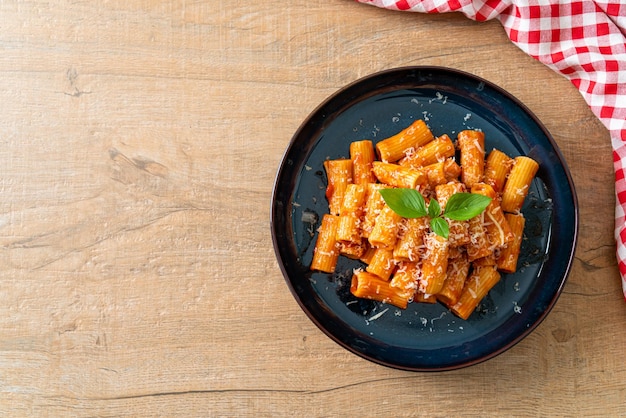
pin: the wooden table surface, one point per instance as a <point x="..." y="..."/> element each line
<point x="139" y="146"/>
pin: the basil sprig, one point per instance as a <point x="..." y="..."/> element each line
<point x="409" y="203"/>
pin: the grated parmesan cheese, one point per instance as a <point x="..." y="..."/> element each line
<point x="378" y="315"/>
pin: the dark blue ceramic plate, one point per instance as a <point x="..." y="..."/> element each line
<point x="424" y="337"/>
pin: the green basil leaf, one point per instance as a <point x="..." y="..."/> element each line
<point x="440" y="227"/>
<point x="434" y="210"/>
<point x="408" y="203"/>
<point x="464" y="206"/>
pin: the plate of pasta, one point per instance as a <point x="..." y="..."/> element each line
<point x="424" y="219"/>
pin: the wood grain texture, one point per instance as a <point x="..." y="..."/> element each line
<point x="139" y="142"/>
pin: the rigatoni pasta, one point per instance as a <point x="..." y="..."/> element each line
<point x="395" y="147"/>
<point x="434" y="263"/>
<point x="374" y="204"/>
<point x="370" y="286"/>
<point x="326" y="251"/>
<point x="497" y="227"/>
<point x="408" y="259"/>
<point x="471" y="146"/>
<point x="339" y="175"/>
<point x="497" y="168"/>
<point x="350" y="214"/>
<point x="386" y="227"/>
<point x="382" y="263"/>
<point x="442" y="172"/>
<point x="518" y="183"/>
<point x="398" y="176"/>
<point x="439" y="149"/>
<point x="456" y="275"/>
<point x="507" y="259"/>
<point x="362" y="156"/>
<point x="410" y="243"/>
<point x="478" y="284"/>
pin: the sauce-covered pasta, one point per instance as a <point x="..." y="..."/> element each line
<point x="404" y="259"/>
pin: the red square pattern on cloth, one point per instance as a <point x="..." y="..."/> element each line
<point x="585" y="41"/>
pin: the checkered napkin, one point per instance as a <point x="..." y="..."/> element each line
<point x="585" y="41"/>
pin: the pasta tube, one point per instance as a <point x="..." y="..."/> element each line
<point x="351" y="243"/>
<point x="442" y="172"/>
<point x="395" y="147"/>
<point x="497" y="168"/>
<point x="339" y="175"/>
<point x="398" y="176"/>
<point x="385" y="231"/>
<point x="351" y="213"/>
<point x="507" y="260"/>
<point x="434" y="264"/>
<point x="489" y="260"/>
<point x="326" y="251"/>
<point x="458" y="269"/>
<point x="479" y="283"/>
<point x="382" y="263"/>
<point x="405" y="279"/>
<point x="354" y="250"/>
<point x="436" y="150"/>
<point x="362" y="156"/>
<point x="459" y="234"/>
<point x="368" y="254"/>
<point x="435" y="173"/>
<point x="472" y="149"/>
<point x="410" y="245"/>
<point x="479" y="245"/>
<point x="518" y="183"/>
<point x="496" y="225"/>
<point x="374" y="204"/>
<point x="420" y="297"/>
<point x="369" y="286"/>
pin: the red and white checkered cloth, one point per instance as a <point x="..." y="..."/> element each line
<point x="585" y="41"/>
